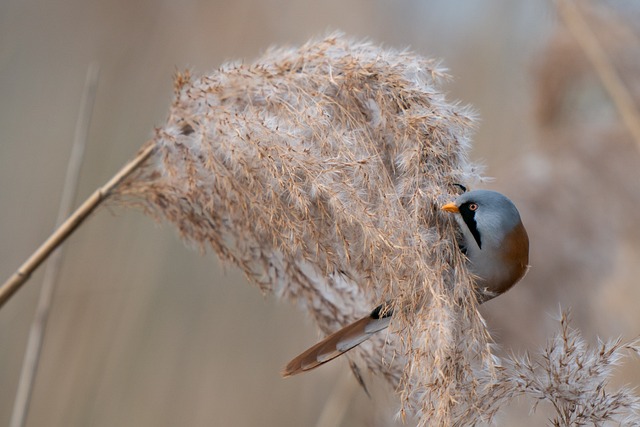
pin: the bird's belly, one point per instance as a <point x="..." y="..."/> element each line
<point x="493" y="278"/>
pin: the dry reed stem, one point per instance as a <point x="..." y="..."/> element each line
<point x="602" y="64"/>
<point x="11" y="285"/>
<point x="39" y="322"/>
<point x="337" y="404"/>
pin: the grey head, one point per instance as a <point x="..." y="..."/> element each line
<point x="487" y="216"/>
<point x="493" y="238"/>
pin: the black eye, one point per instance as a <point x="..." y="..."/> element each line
<point x="473" y="206"/>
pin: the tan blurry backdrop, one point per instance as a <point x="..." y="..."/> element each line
<point x="146" y="332"/>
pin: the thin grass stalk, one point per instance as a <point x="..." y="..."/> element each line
<point x="337" y="404"/>
<point x="39" y="323"/>
<point x="603" y="66"/>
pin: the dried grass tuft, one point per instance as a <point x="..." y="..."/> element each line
<point x="573" y="378"/>
<point x="319" y="171"/>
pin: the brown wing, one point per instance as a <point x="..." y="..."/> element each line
<point x="516" y="249"/>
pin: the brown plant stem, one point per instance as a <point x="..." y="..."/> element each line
<point x="23" y="273"/>
<point x="337" y="404"/>
<point x="603" y="66"/>
<point x="39" y="322"/>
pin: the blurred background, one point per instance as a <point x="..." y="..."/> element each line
<point x="146" y="332"/>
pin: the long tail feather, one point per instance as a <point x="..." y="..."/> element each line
<point x="340" y="342"/>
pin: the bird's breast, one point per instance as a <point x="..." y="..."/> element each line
<point x="499" y="267"/>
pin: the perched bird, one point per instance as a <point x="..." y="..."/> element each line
<point x="496" y="245"/>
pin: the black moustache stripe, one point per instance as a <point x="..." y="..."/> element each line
<point x="469" y="218"/>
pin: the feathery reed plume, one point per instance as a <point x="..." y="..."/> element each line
<point x="319" y="171"/>
<point x="573" y="378"/>
<point x="566" y="375"/>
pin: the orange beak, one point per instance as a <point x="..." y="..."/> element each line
<point x="450" y="207"/>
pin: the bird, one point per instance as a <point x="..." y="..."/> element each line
<point x="496" y="246"/>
